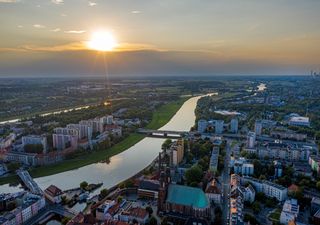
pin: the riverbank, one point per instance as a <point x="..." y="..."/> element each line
<point x="160" y="117"/>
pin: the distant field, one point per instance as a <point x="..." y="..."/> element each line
<point x="164" y="114"/>
<point x="160" y="117"/>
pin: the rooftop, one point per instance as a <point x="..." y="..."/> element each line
<point x="53" y="191"/>
<point x="188" y="196"/>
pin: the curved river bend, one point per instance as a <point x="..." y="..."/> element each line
<point x="123" y="165"/>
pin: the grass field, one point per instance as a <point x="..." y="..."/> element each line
<point x="164" y="114"/>
<point x="275" y="216"/>
<point x="160" y="117"/>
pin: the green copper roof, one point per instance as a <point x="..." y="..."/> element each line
<point x="189" y="196"/>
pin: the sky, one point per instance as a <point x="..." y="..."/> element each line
<point x="160" y="37"/>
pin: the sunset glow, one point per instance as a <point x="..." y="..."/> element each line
<point x="102" y="41"/>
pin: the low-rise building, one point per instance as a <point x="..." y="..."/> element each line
<point x="53" y="194"/>
<point x="27" y="206"/>
<point x="148" y="189"/>
<point x="213" y="192"/>
<point x="270" y="189"/>
<point x="297" y="120"/>
<point x="290" y="211"/>
<point x="315" y="205"/>
<point x="134" y="213"/>
<point x="213" y="166"/>
<point x="241" y="166"/>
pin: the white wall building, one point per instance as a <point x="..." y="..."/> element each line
<point x="234" y="125"/>
<point x="63" y="141"/>
<point x="84" y="131"/>
<point x="290" y="211"/>
<point x="258" y="127"/>
<point x="251" y="139"/>
<point x="219" y="126"/>
<point x="202" y="125"/>
<point x="35" y="139"/>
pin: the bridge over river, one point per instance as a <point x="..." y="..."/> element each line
<point x="29" y="182"/>
<point x="163" y="133"/>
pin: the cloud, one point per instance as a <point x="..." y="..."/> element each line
<point x="63" y="15"/>
<point x="9" y="1"/>
<point x="56" y="30"/>
<point x="74" y="46"/>
<point x="92" y="3"/>
<point x="75" y="31"/>
<point x="20" y="26"/>
<point x="135" y="12"/>
<point x="57" y="2"/>
<point x="39" y="26"/>
<point x="127" y="47"/>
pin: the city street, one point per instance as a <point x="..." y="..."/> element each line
<point x="225" y="181"/>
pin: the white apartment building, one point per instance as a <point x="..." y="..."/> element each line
<point x="219" y="126"/>
<point x="202" y="125"/>
<point x="258" y="127"/>
<point x="84" y="130"/>
<point x="36" y="139"/>
<point x="290" y="211"/>
<point x="242" y="167"/>
<point x="234" y="125"/>
<point x="63" y="141"/>
<point x="270" y="189"/>
<point x="251" y="139"/>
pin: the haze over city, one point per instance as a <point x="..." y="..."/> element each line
<point x="49" y="37"/>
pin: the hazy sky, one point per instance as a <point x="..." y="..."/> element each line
<point x="169" y="37"/>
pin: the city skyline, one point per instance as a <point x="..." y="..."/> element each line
<point x="48" y="38"/>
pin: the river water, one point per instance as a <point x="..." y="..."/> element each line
<point x="123" y="165"/>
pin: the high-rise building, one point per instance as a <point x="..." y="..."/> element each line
<point x="251" y="140"/>
<point x="177" y="152"/>
<point x="234" y="125"/>
<point x="63" y="141"/>
<point x="202" y="125"/>
<point x="84" y="130"/>
<point x="66" y="131"/>
<point x="258" y="127"/>
<point x="219" y="126"/>
<point x="109" y="119"/>
<point x="35" y="140"/>
<point x="96" y="124"/>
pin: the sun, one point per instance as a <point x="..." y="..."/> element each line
<point x="102" y="41"/>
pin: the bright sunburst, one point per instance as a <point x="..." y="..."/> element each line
<point x="102" y="41"/>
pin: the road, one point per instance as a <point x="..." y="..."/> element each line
<point x="225" y="181"/>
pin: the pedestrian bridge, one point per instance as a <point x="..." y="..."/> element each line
<point x="29" y="182"/>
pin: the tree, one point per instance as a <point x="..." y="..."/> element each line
<point x="164" y="221"/>
<point x="33" y="148"/>
<point x="13" y="166"/>
<point x="104" y="193"/>
<point x="318" y="185"/>
<point x="166" y="144"/>
<point x="83" y="185"/>
<point x="152" y="221"/>
<point x="149" y="210"/>
<point x="194" y="175"/>
<point x="256" y="207"/>
<point x="119" y="199"/>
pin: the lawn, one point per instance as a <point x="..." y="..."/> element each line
<point x="160" y="117"/>
<point x="275" y="216"/>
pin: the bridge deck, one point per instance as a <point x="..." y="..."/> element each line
<point x="29" y="182"/>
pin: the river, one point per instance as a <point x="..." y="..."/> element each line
<point x="123" y="165"/>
